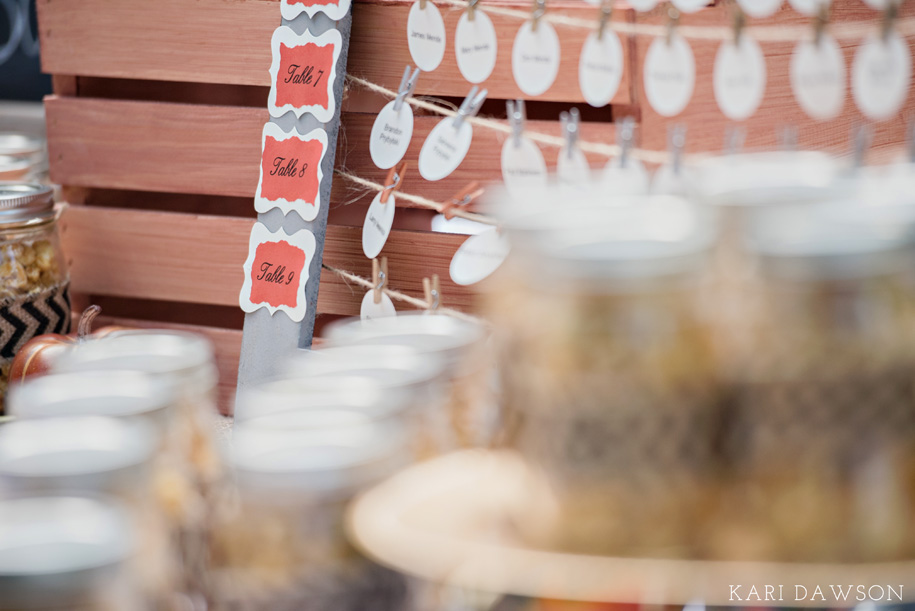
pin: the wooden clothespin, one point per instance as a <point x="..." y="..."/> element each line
<point x="463" y="197"/>
<point x="820" y="21"/>
<point x="379" y="277"/>
<point x="606" y="12"/>
<point x="393" y="182"/>
<point x="433" y="292"/>
<point x="471" y="6"/>
<point x="538" y="11"/>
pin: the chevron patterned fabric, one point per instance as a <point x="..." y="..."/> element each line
<point x="39" y="313"/>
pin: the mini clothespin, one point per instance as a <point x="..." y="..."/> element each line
<point x="470" y="106"/>
<point x="433" y="292"/>
<point x="463" y="197"/>
<point x="862" y="136"/>
<point x="407" y="85"/>
<point x="516" y="117"/>
<point x="889" y="19"/>
<point x="538" y="12"/>
<point x="471" y="9"/>
<point x="787" y="138"/>
<point x="820" y="21"/>
<point x="910" y="139"/>
<point x="570" y="128"/>
<point x="422" y="5"/>
<point x="740" y="21"/>
<point x="676" y="143"/>
<point x="379" y="277"/>
<point x="672" y="22"/>
<point x="393" y="182"/>
<point x="734" y="138"/>
<point x="625" y="138"/>
<point x="606" y="11"/>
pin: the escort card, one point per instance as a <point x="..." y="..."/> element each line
<point x="290" y="177"/>
<point x="335" y="9"/>
<point x="303" y="73"/>
<point x="276" y="271"/>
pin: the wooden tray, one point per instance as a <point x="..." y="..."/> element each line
<point x="448" y="521"/>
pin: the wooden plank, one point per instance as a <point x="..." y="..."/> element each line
<point x="197" y="258"/>
<point x="707" y="125"/>
<point x="379" y="51"/>
<point x="226" y="347"/>
<point x="208" y="41"/>
<point x="215" y="150"/>
<point x="149" y="146"/>
<point x="162" y="41"/>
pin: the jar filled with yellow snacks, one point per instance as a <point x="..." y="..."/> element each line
<point x="822" y="411"/>
<point x="608" y="375"/>
<point x="34" y="282"/>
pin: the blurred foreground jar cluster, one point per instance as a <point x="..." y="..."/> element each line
<point x="727" y="376"/>
<point x="108" y="476"/>
<point x="381" y="395"/>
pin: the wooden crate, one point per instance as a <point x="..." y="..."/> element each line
<point x="154" y="131"/>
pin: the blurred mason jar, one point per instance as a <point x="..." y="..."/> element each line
<point x="280" y="545"/>
<point x="65" y="552"/>
<point x="460" y="345"/>
<point x="607" y="370"/>
<point x="821" y="416"/>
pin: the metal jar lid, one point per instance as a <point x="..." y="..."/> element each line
<point x="25" y="202"/>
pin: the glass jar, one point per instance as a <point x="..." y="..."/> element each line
<point x="416" y="380"/>
<point x="34" y="283"/>
<point x="97" y="456"/>
<point x="297" y="400"/>
<point x="281" y="545"/>
<point x="461" y="346"/>
<point x="191" y="481"/>
<point x="821" y="442"/>
<point x="608" y="374"/>
<point x="63" y="552"/>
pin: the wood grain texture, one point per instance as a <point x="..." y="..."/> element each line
<point x="149" y="146"/>
<point x="197" y="258"/>
<point x="379" y="51"/>
<point x="161" y="40"/>
<point x="215" y="150"/>
<point x="707" y="125"/>
<point x="226" y="347"/>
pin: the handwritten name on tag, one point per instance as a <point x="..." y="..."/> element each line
<point x="276" y="271"/>
<point x="303" y="72"/>
<point x="291" y="174"/>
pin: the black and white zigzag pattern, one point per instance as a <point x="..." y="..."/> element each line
<point x="23" y="319"/>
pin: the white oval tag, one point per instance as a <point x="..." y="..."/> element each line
<point x="667" y="181"/>
<point x="475" y="46"/>
<point x="808" y="7"/>
<point x="670" y="75"/>
<point x="573" y="168"/>
<point x="535" y="57"/>
<point x="689" y="6"/>
<point x="818" y="77"/>
<point x="369" y="310"/>
<point x="426" y="36"/>
<point x="391" y="135"/>
<point x="377" y="226"/>
<point x="878" y="4"/>
<point x="478" y="257"/>
<point x="739" y="78"/>
<point x="523" y="166"/>
<point x="600" y="67"/>
<point x="643" y="5"/>
<point x="630" y="180"/>
<point x="759" y="8"/>
<point x="444" y="149"/>
<point x="881" y="75"/>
